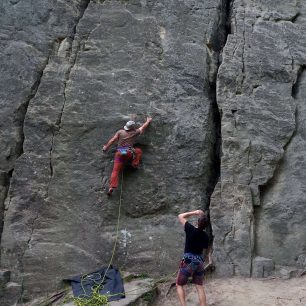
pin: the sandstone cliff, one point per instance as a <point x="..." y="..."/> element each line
<point x="225" y="83"/>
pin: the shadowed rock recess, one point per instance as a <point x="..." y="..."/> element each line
<point x="74" y="71"/>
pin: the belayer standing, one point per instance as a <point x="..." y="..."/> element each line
<point x="125" y="152"/>
<point x="192" y="263"/>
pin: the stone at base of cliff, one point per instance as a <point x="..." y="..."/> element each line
<point x="139" y="292"/>
<point x="262" y="267"/>
<point x="9" y="291"/>
<point x="5" y="276"/>
<point x="285" y="273"/>
<point x="11" y="294"/>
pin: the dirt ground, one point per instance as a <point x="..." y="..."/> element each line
<point x="242" y="292"/>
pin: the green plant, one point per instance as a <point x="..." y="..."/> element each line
<point x="131" y="277"/>
<point x="143" y="275"/>
<point x="67" y="299"/>
<point x="149" y="296"/>
<point x="96" y="299"/>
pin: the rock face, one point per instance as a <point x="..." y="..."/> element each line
<point x="259" y="208"/>
<point x="77" y="74"/>
<point x="75" y="71"/>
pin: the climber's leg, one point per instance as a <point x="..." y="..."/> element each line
<point x="114" y="179"/>
<point x="137" y="158"/>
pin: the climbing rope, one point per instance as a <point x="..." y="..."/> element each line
<point x="97" y="299"/>
<point x="117" y="228"/>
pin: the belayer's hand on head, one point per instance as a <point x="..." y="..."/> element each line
<point x="200" y="212"/>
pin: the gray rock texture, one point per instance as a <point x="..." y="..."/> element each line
<point x="259" y="207"/>
<point x="73" y="72"/>
<point x="281" y="218"/>
<point x="262" y="267"/>
<point x="87" y="67"/>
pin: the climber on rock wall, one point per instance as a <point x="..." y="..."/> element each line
<point x="192" y="263"/>
<point x="125" y="152"/>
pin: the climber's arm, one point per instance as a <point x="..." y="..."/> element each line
<point x="110" y="142"/>
<point x="145" y="125"/>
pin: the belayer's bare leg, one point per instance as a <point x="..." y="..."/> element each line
<point x="201" y="294"/>
<point x="181" y="294"/>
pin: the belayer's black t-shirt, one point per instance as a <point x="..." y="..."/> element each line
<point x="196" y="239"/>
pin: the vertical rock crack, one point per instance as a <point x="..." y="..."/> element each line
<point x="73" y="54"/>
<point x="215" y="47"/>
<point x="20" y="121"/>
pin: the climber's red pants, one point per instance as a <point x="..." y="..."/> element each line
<point x="119" y="162"/>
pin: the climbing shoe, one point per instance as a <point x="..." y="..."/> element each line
<point x="110" y="191"/>
<point x="135" y="165"/>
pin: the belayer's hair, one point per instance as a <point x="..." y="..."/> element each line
<point x="203" y="222"/>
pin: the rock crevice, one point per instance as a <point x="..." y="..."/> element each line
<point x="20" y="116"/>
<point x="217" y="40"/>
<point x="72" y="54"/>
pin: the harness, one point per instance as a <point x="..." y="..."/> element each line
<point x="125" y="154"/>
<point x="125" y="150"/>
<point x="189" y="258"/>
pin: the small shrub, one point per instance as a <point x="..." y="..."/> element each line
<point x="96" y="299"/>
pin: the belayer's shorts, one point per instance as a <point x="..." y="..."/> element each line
<point x="191" y="266"/>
